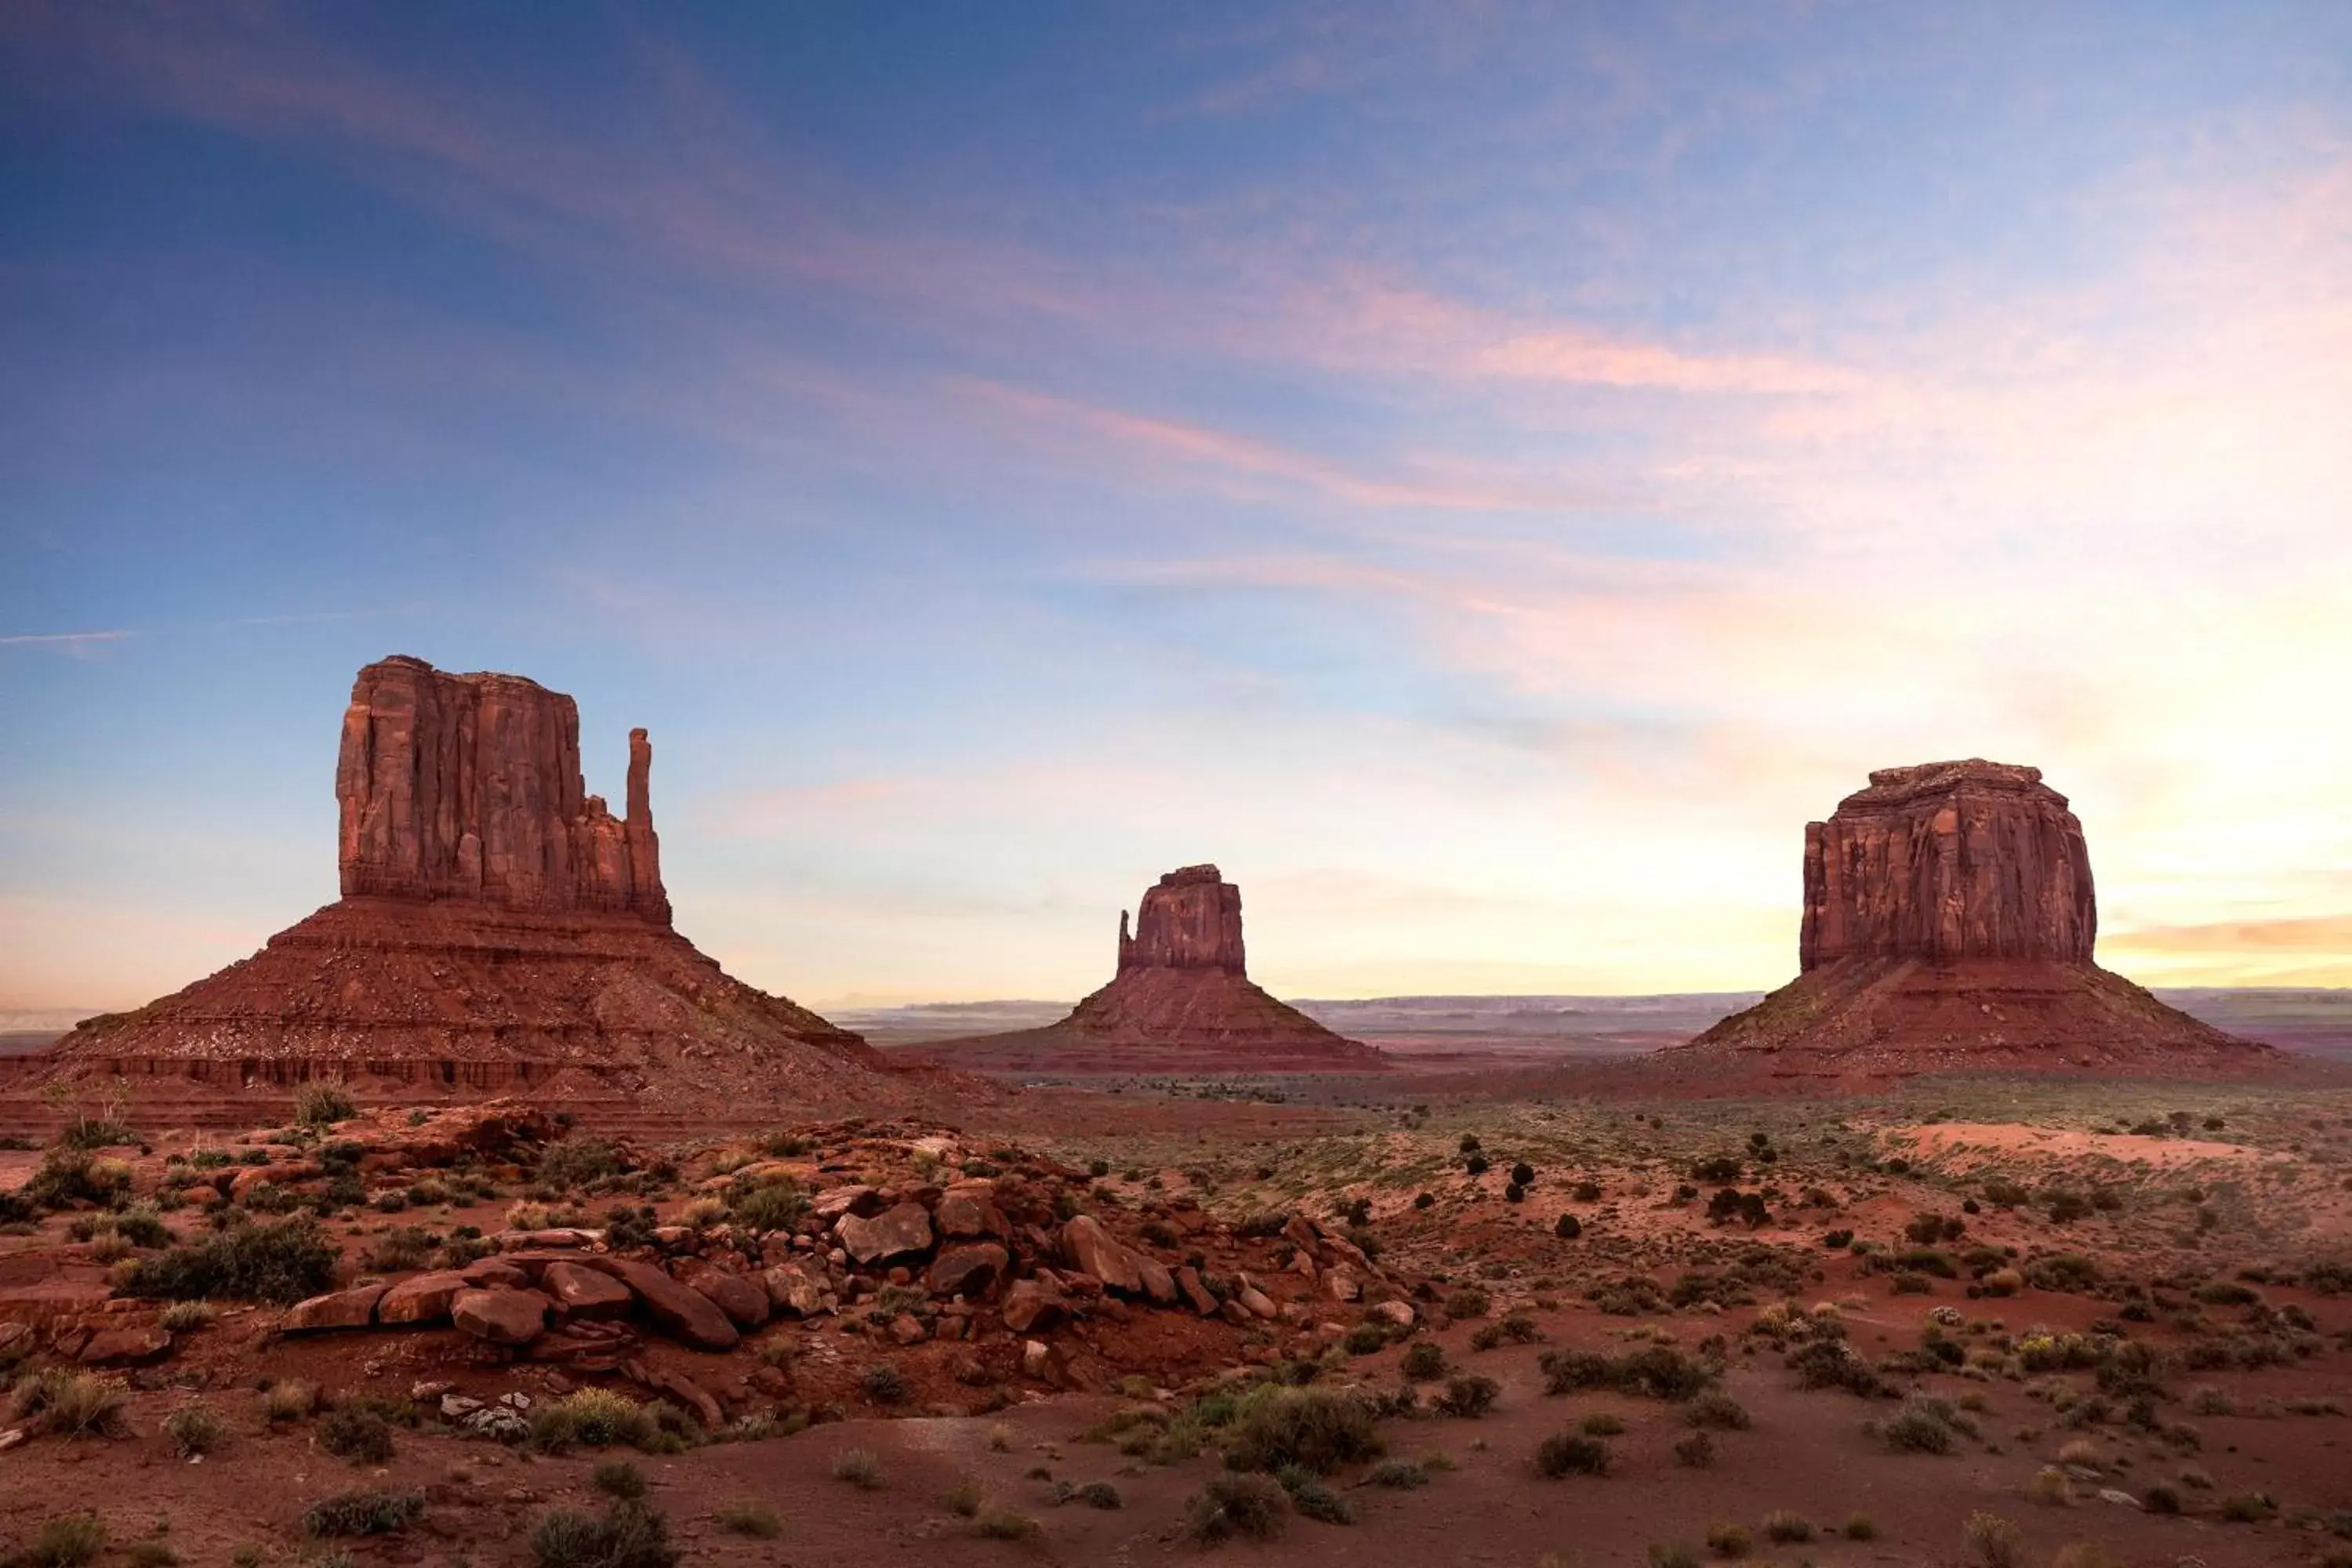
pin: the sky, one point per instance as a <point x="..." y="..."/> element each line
<point x="1484" y="475"/>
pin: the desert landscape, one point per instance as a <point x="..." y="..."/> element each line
<point x="480" y="1218"/>
<point x="1541" y="784"/>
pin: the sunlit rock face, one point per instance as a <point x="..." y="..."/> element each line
<point x="1949" y="922"/>
<point x="468" y="787"/>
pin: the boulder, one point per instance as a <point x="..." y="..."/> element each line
<point x="688" y="1314"/>
<point x="798" y="1285"/>
<point x="352" y="1309"/>
<point x="970" y="1270"/>
<point x="1158" y="1282"/>
<point x="1029" y="1304"/>
<point x="903" y="1229"/>
<point x="500" y="1315"/>
<point x="742" y="1297"/>
<point x="1092" y="1249"/>
<point x="971" y="1211"/>
<point x="422" y="1298"/>
<point x="1196" y="1293"/>
<point x="126" y="1347"/>
<point x="486" y="1273"/>
<point x="586" y="1293"/>
<point x="834" y="1201"/>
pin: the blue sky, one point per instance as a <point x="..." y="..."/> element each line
<point x="1484" y="475"/>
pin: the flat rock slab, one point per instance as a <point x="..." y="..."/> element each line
<point x="503" y="1317"/>
<point x="970" y="1270"/>
<point x="353" y="1308"/>
<point x="586" y="1293"/>
<point x="126" y="1347"/>
<point x="907" y="1228"/>
<point x="743" y="1300"/>
<point x="421" y="1298"/>
<point x="689" y="1314"/>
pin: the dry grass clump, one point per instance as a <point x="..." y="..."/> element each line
<point x="748" y="1516"/>
<point x="1317" y="1430"/>
<point x="71" y="1404"/>
<point x="194" y="1430"/>
<point x="368" y="1513"/>
<point x="859" y="1468"/>
<point x="1994" y="1540"/>
<point x="2049" y="1487"/>
<point x="1729" y="1539"/>
<point x="69" y="1541"/>
<point x="1571" y="1453"/>
<point x="1232" y="1505"/>
<point x="1783" y="1526"/>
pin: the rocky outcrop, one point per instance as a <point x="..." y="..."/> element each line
<point x="500" y="930"/>
<point x="1949" y="922"/>
<point x="1945" y="862"/>
<point x="1191" y="918"/>
<point x="1180" y="1001"/>
<point x="468" y="787"/>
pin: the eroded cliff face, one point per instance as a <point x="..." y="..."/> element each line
<point x="1190" y="918"/>
<point x="1949" y="861"/>
<point x="468" y="787"/>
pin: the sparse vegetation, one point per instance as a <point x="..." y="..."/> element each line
<point x="364" y="1512"/>
<point x="627" y="1535"/>
<point x="1230" y="1505"/>
<point x="859" y="1468"/>
<point x="281" y="1262"/>
<point x="71" y="1404"/>
<point x="1571" y="1453"/>
<point x="67" y="1541"/>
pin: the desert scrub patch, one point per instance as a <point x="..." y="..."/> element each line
<point x="360" y="1435"/>
<point x="369" y="1511"/>
<point x="1859" y="1527"/>
<point x="1310" y="1497"/>
<point x="1469" y="1301"/>
<point x="1236" y="1504"/>
<point x="1717" y="1410"/>
<point x="67" y="1541"/>
<point x="1424" y="1360"/>
<point x="71" y="1404"/>
<point x="1397" y="1475"/>
<point x="1695" y="1449"/>
<point x="1572" y="1453"/>
<point x="1784" y="1526"/>
<point x="997" y="1522"/>
<point x="1924" y="1425"/>
<point x="1468" y="1397"/>
<point x="594" y="1418"/>
<point x="1314" y="1429"/>
<point x="281" y="1262"/>
<point x="321" y="1105"/>
<point x="618" y="1479"/>
<point x="626" y="1535"/>
<point x="1994" y="1541"/>
<point x="859" y="1468"/>
<point x="186" y="1317"/>
<point x="194" y="1428"/>
<point x="1729" y="1539"/>
<point x="1653" y="1371"/>
<point x="749" y="1516"/>
<point x="2050" y="1487"/>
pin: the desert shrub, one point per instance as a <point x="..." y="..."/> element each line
<point x="1924" y="1425"/>
<point x="577" y="1161"/>
<point x="1717" y="1410"/>
<point x="1099" y="1494"/>
<point x="748" y="1516"/>
<point x="2067" y="1271"/>
<point x="2161" y="1499"/>
<point x="69" y="1541"/>
<point x="1717" y="1168"/>
<point x="361" y="1436"/>
<point x="1311" y="1499"/>
<point x="1604" y="1424"/>
<point x="1571" y="1453"/>
<point x="1653" y="1371"/>
<point x="859" y="1468"/>
<point x="1423" y="1360"/>
<point x="1232" y="1505"/>
<point x="1468" y="1302"/>
<point x="1859" y="1527"/>
<point x="1396" y="1474"/>
<point x="400" y="1249"/>
<point x="281" y="1262"/>
<point x="1004" y="1524"/>
<point x="288" y="1399"/>
<point x="1316" y="1430"/>
<point x="2247" y="1507"/>
<point x="2050" y="1487"/>
<point x="321" y="1105"/>
<point x="1468" y="1397"/>
<point x="185" y="1316"/>
<point x="886" y="1385"/>
<point x="194" y="1430"/>
<point x="1832" y="1364"/>
<point x="1364" y="1339"/>
<point x="1696" y="1449"/>
<point x="1729" y="1539"/>
<point x="1568" y="1227"/>
<point x="1996" y="1543"/>
<point x="2085" y="1554"/>
<point x="371" y="1511"/>
<point x="1672" y="1556"/>
<point x="1782" y="1526"/>
<point x="627" y="1535"/>
<point x="594" y="1418"/>
<point x="618" y="1479"/>
<point x="68" y="1176"/>
<point x="71" y="1404"/>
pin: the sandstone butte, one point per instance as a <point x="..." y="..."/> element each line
<point x="499" y="929"/>
<point x="1182" y="999"/>
<point x="1949" y="923"/>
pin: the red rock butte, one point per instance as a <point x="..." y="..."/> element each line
<point x="499" y="929"/>
<point x="1181" y="1001"/>
<point x="1949" y="923"/>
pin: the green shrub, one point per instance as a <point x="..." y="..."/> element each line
<point x="356" y="1433"/>
<point x="593" y="1418"/>
<point x="368" y="1513"/>
<point x="1397" y="1475"/>
<point x="194" y="1430"/>
<point x="1468" y="1302"/>
<point x="1468" y="1397"/>
<point x="1312" y="1499"/>
<point x="576" y="1161"/>
<point x="1717" y="1410"/>
<point x="69" y="1541"/>
<point x="1571" y="1453"/>
<point x="71" y="1404"/>
<point x="748" y="1516"/>
<point x="282" y="1263"/>
<point x="777" y="1205"/>
<point x="1729" y="1539"/>
<point x="1316" y="1430"/>
<point x="1232" y="1505"/>
<point x="1924" y="1425"/>
<point x="618" y="1479"/>
<point x="886" y="1385"/>
<point x="321" y="1105"/>
<point x="68" y="1176"/>
<point x="1004" y="1524"/>
<point x="628" y="1535"/>
<point x="1423" y="1360"/>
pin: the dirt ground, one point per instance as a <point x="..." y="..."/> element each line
<point x="2208" y="1227"/>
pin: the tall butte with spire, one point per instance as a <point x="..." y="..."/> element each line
<point x="1180" y="1001"/>
<point x="1949" y="923"/>
<point x="499" y="929"/>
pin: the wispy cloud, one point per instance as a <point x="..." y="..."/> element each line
<point x="63" y="639"/>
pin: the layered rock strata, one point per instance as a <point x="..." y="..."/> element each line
<point x="1949" y="919"/>
<point x="1182" y="999"/>
<point x="500" y="930"/>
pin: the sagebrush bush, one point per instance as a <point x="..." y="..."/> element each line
<point x="321" y="1105"/>
<point x="1230" y="1505"/>
<point x="365" y="1513"/>
<point x="1423" y="1360"/>
<point x="358" y="1435"/>
<point x="71" y="1404"/>
<point x="594" y="1418"/>
<point x="1316" y="1430"/>
<point x="281" y="1262"/>
<point x="1996" y="1543"/>
<point x="1571" y="1453"/>
<point x="69" y="1541"/>
<point x="1468" y="1397"/>
<point x="859" y="1467"/>
<point x="194" y="1430"/>
<point x="627" y="1535"/>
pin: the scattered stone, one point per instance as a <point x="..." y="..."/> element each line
<point x="970" y="1271"/>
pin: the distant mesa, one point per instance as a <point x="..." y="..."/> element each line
<point x="499" y="929"/>
<point x="1949" y="923"/>
<point x="1181" y="1001"/>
